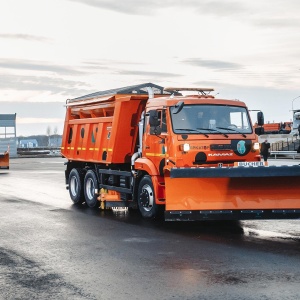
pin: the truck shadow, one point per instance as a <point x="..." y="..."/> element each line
<point x="133" y="217"/>
<point x="230" y="233"/>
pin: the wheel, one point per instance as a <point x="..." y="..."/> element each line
<point x="146" y="198"/>
<point x="75" y="186"/>
<point x="90" y="184"/>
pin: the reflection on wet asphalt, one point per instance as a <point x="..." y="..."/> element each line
<point x="248" y="233"/>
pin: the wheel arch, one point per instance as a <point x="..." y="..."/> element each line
<point x="83" y="166"/>
<point x="146" y="165"/>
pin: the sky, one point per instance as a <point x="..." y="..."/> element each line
<point x="54" y="50"/>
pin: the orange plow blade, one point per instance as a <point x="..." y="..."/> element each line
<point x="4" y="160"/>
<point x="232" y="193"/>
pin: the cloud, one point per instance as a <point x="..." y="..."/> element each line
<point x="56" y="84"/>
<point x="219" y="8"/>
<point x="26" y="37"/>
<point x="146" y="7"/>
<point x="84" y="69"/>
<point x="279" y="23"/>
<point x="107" y="64"/>
<point x="39" y="120"/>
<point x="95" y="65"/>
<point x="23" y="64"/>
<point x="32" y="110"/>
<point x="42" y="83"/>
<point x="257" y="13"/>
<point x="112" y="67"/>
<point x="257" y="97"/>
<point x="217" y="65"/>
<point x="147" y="73"/>
<point x="124" y="6"/>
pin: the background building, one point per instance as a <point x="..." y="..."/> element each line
<point x="8" y="134"/>
<point x="28" y="143"/>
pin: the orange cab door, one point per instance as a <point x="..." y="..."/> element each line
<point x="154" y="147"/>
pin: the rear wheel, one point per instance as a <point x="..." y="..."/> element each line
<point x="90" y="186"/>
<point x="75" y="186"/>
<point x="146" y="198"/>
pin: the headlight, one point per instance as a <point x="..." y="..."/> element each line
<point x="256" y="146"/>
<point x="184" y="147"/>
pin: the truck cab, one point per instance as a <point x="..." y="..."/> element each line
<point x="198" y="131"/>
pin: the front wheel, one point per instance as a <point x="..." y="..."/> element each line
<point x="90" y="187"/>
<point x="146" y="198"/>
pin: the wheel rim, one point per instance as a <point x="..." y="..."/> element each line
<point x="90" y="188"/>
<point x="74" y="186"/>
<point x="147" y="197"/>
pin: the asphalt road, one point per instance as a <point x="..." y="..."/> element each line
<point x="51" y="249"/>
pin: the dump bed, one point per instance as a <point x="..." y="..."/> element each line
<point x="102" y="127"/>
<point x="104" y="131"/>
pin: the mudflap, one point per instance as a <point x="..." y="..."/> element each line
<point x="4" y="160"/>
<point x="237" y="193"/>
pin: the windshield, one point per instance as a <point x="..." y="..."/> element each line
<point x="210" y="119"/>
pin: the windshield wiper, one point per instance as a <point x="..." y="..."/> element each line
<point x="212" y="129"/>
<point x="232" y="129"/>
<point x="192" y="130"/>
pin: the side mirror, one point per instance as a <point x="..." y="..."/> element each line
<point x="260" y="118"/>
<point x="155" y="130"/>
<point x="154" y="121"/>
<point x="153" y="118"/>
<point x="259" y="130"/>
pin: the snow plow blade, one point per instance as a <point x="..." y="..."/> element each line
<point x="4" y="160"/>
<point x="237" y="193"/>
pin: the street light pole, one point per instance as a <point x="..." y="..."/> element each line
<point x="293" y="102"/>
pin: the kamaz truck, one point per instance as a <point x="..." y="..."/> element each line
<point x="190" y="157"/>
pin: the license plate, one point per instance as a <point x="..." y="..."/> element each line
<point x="250" y="164"/>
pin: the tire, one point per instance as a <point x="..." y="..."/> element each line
<point x="90" y="184"/>
<point x="146" y="198"/>
<point x="75" y="182"/>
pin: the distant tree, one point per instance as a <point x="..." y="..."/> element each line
<point x="48" y="131"/>
<point x="55" y="133"/>
<point x="49" y="134"/>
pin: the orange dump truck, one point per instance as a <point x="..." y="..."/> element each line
<point x="275" y="128"/>
<point x="193" y="157"/>
<point x="4" y="160"/>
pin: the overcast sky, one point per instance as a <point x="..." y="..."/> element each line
<point x="52" y="50"/>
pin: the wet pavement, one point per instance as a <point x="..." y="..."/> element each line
<point x="51" y="249"/>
